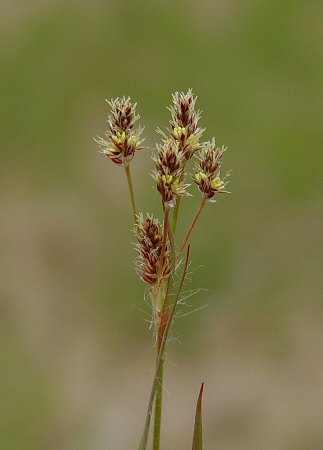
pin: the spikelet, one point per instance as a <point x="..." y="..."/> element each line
<point x="149" y="233"/>
<point x="207" y="171"/>
<point x="169" y="172"/>
<point x="184" y="123"/>
<point x="122" y="140"/>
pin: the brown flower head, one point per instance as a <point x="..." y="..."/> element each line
<point x="207" y="171"/>
<point x="122" y="140"/>
<point x="184" y="123"/>
<point x="169" y="171"/>
<point x="149" y="234"/>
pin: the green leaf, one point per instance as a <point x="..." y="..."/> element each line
<point x="197" y="438"/>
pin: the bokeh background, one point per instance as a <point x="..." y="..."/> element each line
<point x="77" y="354"/>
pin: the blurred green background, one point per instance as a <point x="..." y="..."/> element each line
<point x="77" y="356"/>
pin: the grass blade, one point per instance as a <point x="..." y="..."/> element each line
<point x="197" y="437"/>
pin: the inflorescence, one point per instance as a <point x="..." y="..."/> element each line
<point x="158" y="255"/>
<point x="207" y="170"/>
<point x="122" y="140"/>
<point x="149" y="234"/>
<point x="181" y="141"/>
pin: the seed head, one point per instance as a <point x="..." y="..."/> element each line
<point x="123" y="114"/>
<point x="122" y="140"/>
<point x="184" y="123"/>
<point x="169" y="171"/>
<point x="149" y="234"/>
<point x="207" y="171"/>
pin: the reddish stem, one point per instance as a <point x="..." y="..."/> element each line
<point x="165" y="233"/>
<point x="162" y="256"/>
<point x="197" y="215"/>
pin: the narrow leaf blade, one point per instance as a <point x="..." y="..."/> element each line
<point x="197" y="437"/>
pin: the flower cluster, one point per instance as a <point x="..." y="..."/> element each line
<point x="184" y="123"/>
<point x="150" y="237"/>
<point x="169" y="172"/>
<point x="159" y="254"/>
<point x="207" y="171"/>
<point x="122" y="140"/>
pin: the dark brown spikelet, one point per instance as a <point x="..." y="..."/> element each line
<point x="149" y="234"/>
<point x="207" y="171"/>
<point x="123" y="114"/>
<point x="122" y="140"/>
<point x="184" y="123"/>
<point x="169" y="171"/>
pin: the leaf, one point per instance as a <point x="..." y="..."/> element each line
<point x="197" y="437"/>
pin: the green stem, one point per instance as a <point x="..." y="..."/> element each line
<point x="160" y="358"/>
<point x="164" y="319"/>
<point x="175" y="215"/>
<point x="173" y="268"/>
<point x="158" y="408"/>
<point x="161" y="260"/>
<point x="177" y="205"/>
<point x="131" y="190"/>
<point x="165" y="234"/>
<point x="160" y="331"/>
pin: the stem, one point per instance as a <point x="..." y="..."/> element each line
<point x="144" y="438"/>
<point x="175" y="215"/>
<point x="131" y="190"/>
<point x="173" y="268"/>
<point x="161" y="328"/>
<point x="158" y="408"/>
<point x="197" y="215"/>
<point x="177" y="205"/>
<point x="165" y="233"/>
<point x="162" y="255"/>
